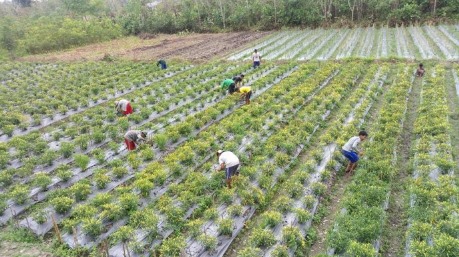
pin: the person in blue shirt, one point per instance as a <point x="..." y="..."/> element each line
<point x="162" y="63"/>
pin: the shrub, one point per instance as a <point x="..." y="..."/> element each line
<point x="129" y="202"/>
<point x="40" y="216"/>
<point x="280" y="251"/>
<point x="147" y="154"/>
<point x="47" y="158"/>
<point x="209" y="242"/>
<point x="42" y="180"/>
<point x="62" y="204"/>
<point x="92" y="226"/>
<point x="81" y="190"/>
<point x="6" y="177"/>
<point x="271" y="219"/>
<point x="292" y="237"/>
<point x="82" y="211"/>
<point x="111" y="211"/>
<point x="225" y="227"/>
<point x="123" y="234"/>
<point x="20" y="194"/>
<point x="362" y="250"/>
<point x="64" y="173"/>
<point x="101" y="199"/>
<point x="133" y="160"/>
<point x="194" y="227"/>
<point x="250" y="252"/>
<point x="172" y="246"/>
<point x="211" y="214"/>
<point x="120" y="172"/>
<point x="67" y="149"/>
<point x="81" y="161"/>
<point x="235" y="210"/>
<point x="161" y="141"/>
<point x="262" y="238"/>
<point x="98" y="136"/>
<point x="283" y="204"/>
<point x="318" y="188"/>
<point x="144" y="186"/>
<point x="302" y="215"/>
<point x="101" y="179"/>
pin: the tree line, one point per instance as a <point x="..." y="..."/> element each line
<point x="28" y="26"/>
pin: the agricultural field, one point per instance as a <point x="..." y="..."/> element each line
<point x="66" y="176"/>
<point x="408" y="42"/>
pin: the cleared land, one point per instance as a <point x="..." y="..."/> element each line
<point x="194" y="47"/>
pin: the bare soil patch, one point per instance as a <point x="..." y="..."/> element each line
<point x="193" y="47"/>
<point x="12" y="249"/>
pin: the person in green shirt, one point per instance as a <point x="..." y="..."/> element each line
<point x="230" y="85"/>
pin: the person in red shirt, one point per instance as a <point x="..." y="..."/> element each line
<point x="133" y="138"/>
<point x="123" y="107"/>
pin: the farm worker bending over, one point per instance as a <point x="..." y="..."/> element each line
<point x="245" y="91"/>
<point x="238" y="80"/>
<point x="256" y="58"/>
<point x="123" y="107"/>
<point x="162" y="63"/>
<point x="351" y="150"/>
<point x="230" y="163"/>
<point x="229" y="84"/>
<point x="133" y="138"/>
<point x="420" y="71"/>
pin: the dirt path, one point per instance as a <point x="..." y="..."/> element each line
<point x="11" y="249"/>
<point x="393" y="239"/>
<point x="337" y="191"/>
<point x="194" y="47"/>
<point x="453" y="104"/>
<point x="333" y="207"/>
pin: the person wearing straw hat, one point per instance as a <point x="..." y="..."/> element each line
<point x="123" y="107"/>
<point x="351" y="150"/>
<point x="230" y="163"/>
<point x="133" y="138"/>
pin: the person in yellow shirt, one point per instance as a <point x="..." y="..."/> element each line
<point x="245" y="91"/>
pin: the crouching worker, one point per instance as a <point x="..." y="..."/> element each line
<point x="230" y="163"/>
<point x="162" y="64"/>
<point x="123" y="107"/>
<point x="351" y="150"/>
<point x="420" y="71"/>
<point x="133" y="138"/>
<point x="246" y="92"/>
<point x="230" y="85"/>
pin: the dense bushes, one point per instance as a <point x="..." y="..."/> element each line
<point x="51" y="33"/>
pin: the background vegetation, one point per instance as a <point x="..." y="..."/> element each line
<point x="29" y="27"/>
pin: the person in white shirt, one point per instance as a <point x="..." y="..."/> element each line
<point x="256" y="58"/>
<point x="123" y="107"/>
<point x="351" y="150"/>
<point x="230" y="163"/>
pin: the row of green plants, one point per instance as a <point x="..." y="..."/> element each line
<point x="208" y="187"/>
<point x="267" y="167"/>
<point x="432" y="228"/>
<point x="359" y="225"/>
<point x="83" y="132"/>
<point x="298" y="194"/>
<point x="81" y="161"/>
<point x="221" y="107"/>
<point x="58" y="89"/>
<point x="303" y="187"/>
